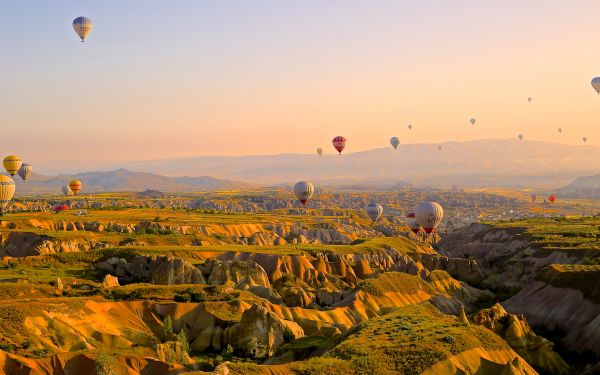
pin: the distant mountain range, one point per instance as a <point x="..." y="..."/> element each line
<point x="482" y="163"/>
<point x="124" y="180"/>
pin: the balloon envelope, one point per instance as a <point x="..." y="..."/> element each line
<point x="596" y="84"/>
<point x="7" y="190"/>
<point x="560" y="130"/>
<point x="66" y="190"/>
<point x="409" y="127"/>
<point x="520" y="137"/>
<point x="75" y="186"/>
<point x="25" y="171"/>
<point x="12" y="164"/>
<point x="339" y="143"/>
<point x="374" y="210"/>
<point x="529" y="99"/>
<point x="320" y="151"/>
<point x="584" y="139"/>
<point x="303" y="191"/>
<point x="551" y="198"/>
<point x="429" y="215"/>
<point x="394" y="141"/>
<point x="472" y="121"/>
<point x="83" y="27"/>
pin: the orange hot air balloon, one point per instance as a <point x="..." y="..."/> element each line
<point x="552" y="198"/>
<point x="339" y="143"/>
<point x="75" y="186"/>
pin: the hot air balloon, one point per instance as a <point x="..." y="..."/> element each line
<point x="533" y="198"/>
<point x="304" y="190"/>
<point x="394" y="142"/>
<point x="472" y="121"/>
<point x="411" y="221"/>
<point x="339" y="143"/>
<point x="7" y="190"/>
<point x="75" y="186"/>
<point x="440" y="148"/>
<point x="25" y="171"/>
<point x="560" y="130"/>
<point x="520" y="137"/>
<point x="83" y="27"/>
<point x="529" y="99"/>
<point x="584" y="139"/>
<point x="374" y="210"/>
<point x="552" y="198"/>
<point x="429" y="215"/>
<point x="409" y="127"/>
<point x="320" y="151"/>
<point x="12" y="164"/>
<point x="66" y="190"/>
<point x="60" y="207"/>
<point x="596" y="84"/>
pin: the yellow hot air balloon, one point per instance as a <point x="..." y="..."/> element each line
<point x="7" y="190"/>
<point x="83" y="27"/>
<point x="12" y="164"/>
<point x="75" y="186"/>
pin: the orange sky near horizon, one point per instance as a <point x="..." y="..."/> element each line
<point x="268" y="78"/>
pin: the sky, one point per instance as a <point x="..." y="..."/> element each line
<point x="168" y="79"/>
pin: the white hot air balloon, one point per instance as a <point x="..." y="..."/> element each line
<point x="83" y="27"/>
<point x="303" y="191"/>
<point x="7" y="190"/>
<point x="25" y="171"/>
<point x="374" y="210"/>
<point x="411" y="221"/>
<point x="394" y="141"/>
<point x="429" y="215"/>
<point x="596" y="84"/>
<point x="472" y="121"/>
<point x="520" y="136"/>
<point x="66" y="190"/>
<point x="320" y="151"/>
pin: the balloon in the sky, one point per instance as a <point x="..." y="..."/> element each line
<point x="75" y="186"/>
<point x="529" y="99"/>
<point x="584" y="139"/>
<point x="472" y="121"/>
<point x="552" y="198"/>
<point x="596" y="84"/>
<point x="533" y="197"/>
<point x="411" y="221"/>
<point x="7" y="190"/>
<point x="339" y="143"/>
<point x="374" y="210"/>
<point x="25" y="171"/>
<point x="560" y="130"/>
<point x="429" y="215"/>
<point x="409" y="127"/>
<point x="66" y="190"/>
<point x="395" y="142"/>
<point x="303" y="191"/>
<point x="520" y="137"/>
<point x="320" y="151"/>
<point x="12" y="164"/>
<point x="83" y="27"/>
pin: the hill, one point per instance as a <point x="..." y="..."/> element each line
<point x="125" y="180"/>
<point x="478" y="163"/>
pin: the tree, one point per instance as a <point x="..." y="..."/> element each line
<point x="167" y="328"/>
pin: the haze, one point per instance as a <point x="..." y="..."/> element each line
<point x="173" y="79"/>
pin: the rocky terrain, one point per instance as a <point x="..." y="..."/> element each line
<point x="175" y="291"/>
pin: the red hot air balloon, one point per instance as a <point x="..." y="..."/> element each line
<point x="339" y="143"/>
<point x="61" y="207"/>
<point x="552" y="198"/>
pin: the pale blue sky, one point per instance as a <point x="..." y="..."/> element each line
<point x="161" y="79"/>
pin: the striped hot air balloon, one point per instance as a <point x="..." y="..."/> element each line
<point x="7" y="190"/>
<point x="12" y="164"/>
<point x="429" y="215"/>
<point x="75" y="186"/>
<point x="339" y="143"/>
<point x="303" y="191"/>
<point x="25" y="171"/>
<point x="83" y="27"/>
